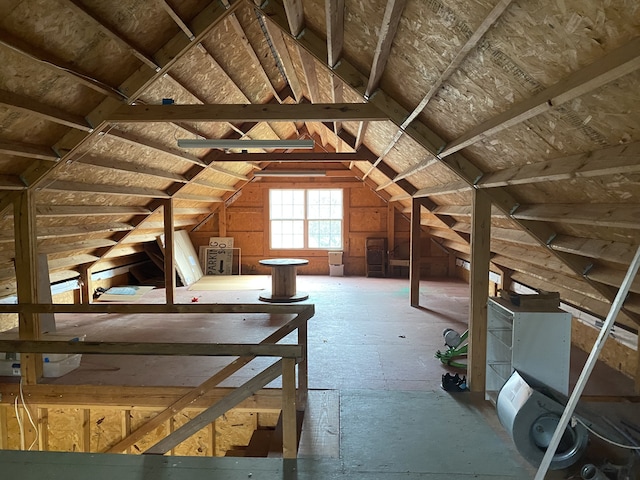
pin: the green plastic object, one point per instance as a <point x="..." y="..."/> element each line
<point x="451" y="356"/>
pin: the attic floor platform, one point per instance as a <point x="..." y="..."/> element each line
<point x="365" y="342"/>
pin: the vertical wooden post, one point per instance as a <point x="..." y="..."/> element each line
<point x="126" y="426"/>
<point x="4" y="434"/>
<point x="26" y="276"/>
<point x="414" y="269"/>
<point x="391" y="227"/>
<point x="169" y="267"/>
<point x="212" y="438"/>
<point x="222" y="220"/>
<point x="289" y="423"/>
<point x="637" y="376"/>
<point x="303" y="369"/>
<point x="85" y="432"/>
<point x="479" y="285"/>
<point x="86" y="286"/>
<point x="43" y="429"/>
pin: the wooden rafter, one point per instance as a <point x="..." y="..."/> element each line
<point x="612" y="66"/>
<point x="291" y="76"/>
<point x="443" y="189"/>
<point x="84" y="210"/>
<point x="28" y="105"/>
<point x="100" y="188"/>
<point x="601" y="215"/>
<point x="428" y="139"/>
<point x="321" y="112"/>
<point x="621" y="159"/>
<point x="131" y="167"/>
<point x="28" y="150"/>
<point x="488" y="21"/>
<point x="390" y="21"/>
<point x="295" y="16"/>
<point x="334" y="14"/>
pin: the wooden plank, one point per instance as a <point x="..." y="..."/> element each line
<point x="85" y="431"/>
<point x="601" y="249"/>
<point x="33" y="107"/>
<point x="443" y="189"/>
<point x="479" y="282"/>
<point x="28" y="150"/>
<point x="131" y="167"/>
<point x="101" y="188"/>
<point x="88" y="210"/>
<point x="618" y="160"/>
<point x="139" y="141"/>
<point x="4" y="433"/>
<point x="334" y="15"/>
<point x="289" y="427"/>
<point x="600" y="215"/>
<point x="86" y="285"/>
<point x="291" y="75"/>
<point x="126" y="426"/>
<point x="612" y="66"/>
<point x="295" y="16"/>
<point x="26" y="276"/>
<point x="321" y="428"/>
<point x="320" y="112"/>
<point x="56" y="64"/>
<point x="209" y="415"/>
<point x="390" y="21"/>
<point x="301" y="309"/>
<point x="11" y="182"/>
<point x="169" y="254"/>
<point x="55" y="232"/>
<point x="148" y="399"/>
<point x="414" y="270"/>
<point x="152" y="348"/>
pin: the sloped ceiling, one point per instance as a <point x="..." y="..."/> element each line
<point x="532" y="103"/>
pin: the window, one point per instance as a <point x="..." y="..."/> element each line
<point x="306" y="218"/>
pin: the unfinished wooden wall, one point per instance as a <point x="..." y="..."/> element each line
<point x="366" y="215"/>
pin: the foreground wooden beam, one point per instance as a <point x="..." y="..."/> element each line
<point x="479" y="284"/>
<point x="319" y="112"/>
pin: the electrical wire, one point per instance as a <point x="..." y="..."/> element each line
<point x="608" y="440"/>
<point x="20" y="422"/>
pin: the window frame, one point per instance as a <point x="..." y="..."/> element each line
<point x="306" y="248"/>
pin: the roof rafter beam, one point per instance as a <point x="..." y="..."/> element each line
<point x="295" y="16"/>
<point x="390" y="21"/>
<point x="488" y="21"/>
<point x="30" y="106"/>
<point x="131" y="167"/>
<point x="621" y="159"/>
<point x="443" y="189"/>
<point x="28" y="150"/>
<point x="427" y="138"/>
<point x="59" y="66"/>
<point x="319" y="112"/>
<point x="612" y="66"/>
<point x="601" y="215"/>
<point x="99" y="188"/>
<point x="87" y="210"/>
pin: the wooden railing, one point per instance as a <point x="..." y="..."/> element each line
<point x="293" y="393"/>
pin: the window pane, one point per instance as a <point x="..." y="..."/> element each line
<point x="324" y="204"/>
<point x="325" y="234"/>
<point x="287" y="234"/>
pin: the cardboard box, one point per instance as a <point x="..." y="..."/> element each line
<point x="336" y="270"/>
<point x="335" y="258"/>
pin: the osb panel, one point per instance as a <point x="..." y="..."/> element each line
<point x="234" y="429"/>
<point x="250" y="196"/>
<point x="429" y="35"/>
<point x="137" y="419"/>
<point x="51" y="88"/>
<point x="199" y="444"/>
<point x="363" y="197"/>
<point x="256" y="37"/>
<point x="148" y="23"/>
<point x="226" y="47"/>
<point x="607" y="189"/>
<point x="12" y="165"/>
<point x="75" y="41"/>
<point x="106" y="428"/>
<point x="452" y="199"/>
<point x="64" y="429"/>
<point x="588" y="231"/>
<point x="368" y="219"/>
<point x="78" y="171"/>
<point x="244" y="220"/>
<point x="361" y="27"/>
<point x="251" y="243"/>
<point x="204" y="77"/>
<point x="614" y="353"/>
<point x="8" y="321"/>
<point x="405" y="154"/>
<point x="284" y="129"/>
<point x="378" y="136"/>
<point x="314" y="16"/>
<point x="552" y="39"/>
<point x="14" y="124"/>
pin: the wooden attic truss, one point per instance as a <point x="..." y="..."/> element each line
<point x="446" y="145"/>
